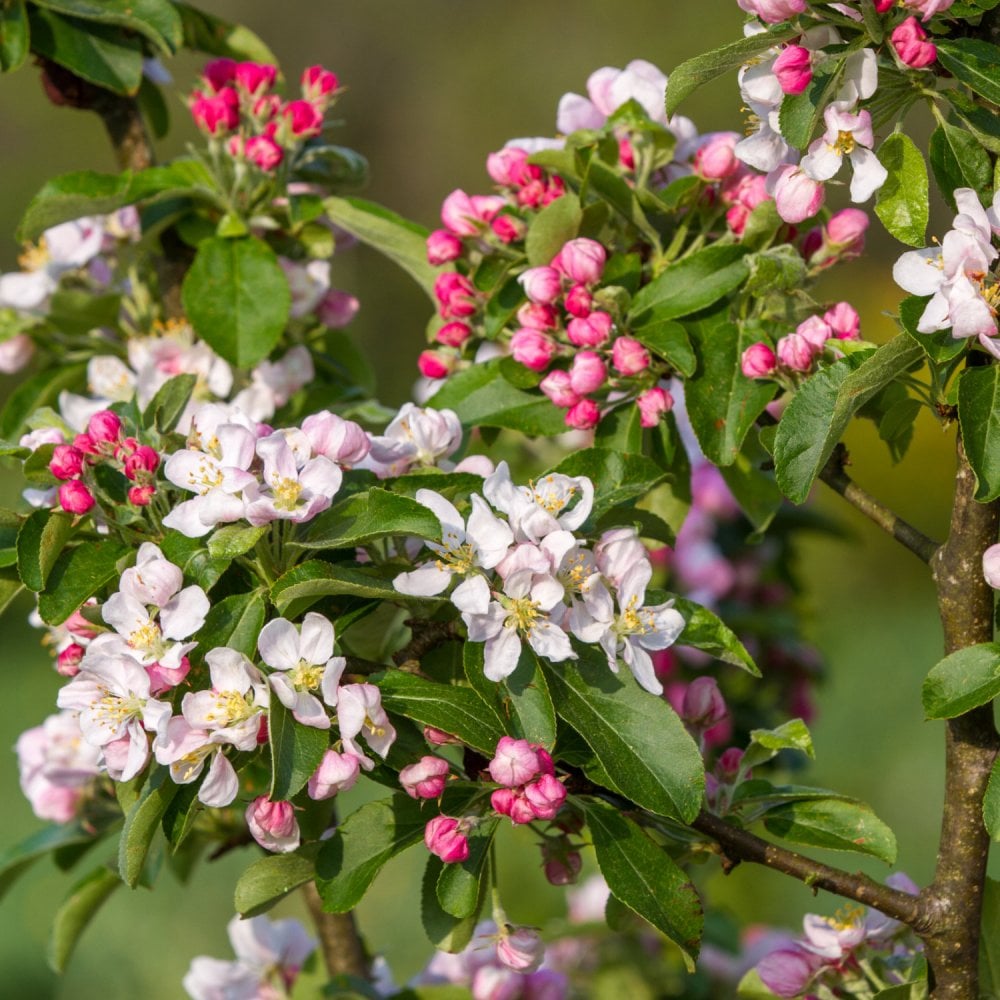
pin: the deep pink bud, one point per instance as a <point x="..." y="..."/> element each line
<point x="587" y="373"/>
<point x="545" y="796"/>
<point x="815" y="330"/>
<point x="443" y="247"/>
<point x="425" y="779"/>
<point x="910" y="42"/>
<point x="75" y="498"/>
<point x="844" y="321"/>
<point x="796" y="353"/>
<point x="337" y="772"/>
<point x="541" y="284"/>
<point x="273" y="824"/>
<point x="520" y="949"/>
<point x="590" y="332"/>
<point x="68" y="660"/>
<point x="514" y="763"/>
<point x="439" y="738"/>
<point x="77" y="625"/>
<point x="787" y="971"/>
<point x="561" y="867"/>
<point x="453" y="334"/>
<point x="511" y="802"/>
<point x="729" y="764"/>
<point x="773" y="11"/>
<point x="545" y="764"/>
<point x="459" y="215"/>
<point x="303" y="117"/>
<point x="538" y="316"/>
<point x="556" y="385"/>
<point x="254" y="77"/>
<point x="455" y="294"/>
<point x="581" y="260"/>
<point x="796" y="195"/>
<point x="318" y="84"/>
<point x="434" y="364"/>
<point x="716" y="159"/>
<point x="881" y="6"/>
<point x="653" y="403"/>
<point x="264" y="152"/>
<point x="105" y="425"/>
<point x="140" y="496"/>
<point x="629" y="356"/>
<point x="219" y="72"/>
<point x="216" y="115"/>
<point x="579" y="302"/>
<point x="847" y="228"/>
<point x="444" y="839"/>
<point x="793" y="68"/>
<point x="266" y="108"/>
<point x="163" y="678"/>
<point x="703" y="705"/>
<point x="507" y="229"/>
<point x="143" y="459"/>
<point x="758" y="361"/>
<point x="583" y="416"/>
<point x="509" y="167"/>
<point x="532" y="348"/>
<point x="67" y="462"/>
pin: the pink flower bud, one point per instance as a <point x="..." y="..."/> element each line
<point x="273" y="825"/>
<point x="453" y="334"/>
<point x="587" y="373"/>
<point x="337" y="772"/>
<point x="773" y="11"/>
<point x="583" y="416"/>
<point x="538" y="316"/>
<point x="929" y="7"/>
<point x="653" y="403"/>
<point x="545" y="764"/>
<point x="716" y="159"/>
<point x="337" y="308"/>
<point x="439" y="738"/>
<point x="253" y="78"/>
<point x="590" y="332"/>
<point x="815" y="330"/>
<point x="562" y="867"/>
<point x="749" y="191"/>
<point x="793" y="68"/>
<point x="425" y="779"/>
<point x="556" y="385"/>
<point x="68" y="660"/>
<point x="532" y="348"/>
<point x="758" y="361"/>
<point x="844" y="321"/>
<point x="444" y="839"/>
<point x="847" y="228"/>
<point x="140" y="496"/>
<point x="511" y="802"/>
<point x="263" y="152"/>
<point x="626" y="153"/>
<point x="67" y="462"/>
<point x="143" y="460"/>
<point x="458" y="213"/>
<point x="75" y="498"/>
<point x="105" y="425"/>
<point x="507" y="229"/>
<point x="266" y="108"/>
<point x="545" y="796"/>
<point x="455" y="295"/>
<point x="514" y="763"/>
<point x="77" y="625"/>
<point x="15" y="353"/>
<point x="796" y="353"/>
<point x="991" y="566"/>
<point x="163" y="678"/>
<point x="729" y="765"/>
<point x="86" y="444"/>
<point x="433" y="364"/>
<point x="629" y="356"/>
<point x="219" y="72"/>
<point x="509" y="167"/>
<point x="581" y="260"/>
<point x="520" y="949"/>
<point x="216" y="115"/>
<point x="579" y="302"/>
<point x="911" y="45"/>
<point x="881" y="6"/>
<point x="303" y="118"/>
<point x="541" y="284"/>
<point x="796" y="195"/>
<point x="703" y="705"/>
<point x="318" y="84"/>
<point x="443" y="247"/>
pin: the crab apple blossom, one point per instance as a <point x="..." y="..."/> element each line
<point x="629" y="356"/>
<point x="910" y="42"/>
<point x="337" y="772"/>
<point x="542" y="285"/>
<point x="797" y="194"/>
<point x="444" y="838"/>
<point x="360" y="713"/>
<point x="578" y="302"/>
<point x="796" y="353"/>
<point x="715" y="159"/>
<point x="773" y="11"/>
<point x="551" y="503"/>
<point x="559" y="389"/>
<point x="587" y="373"/>
<point x="443" y="247"/>
<point x="425" y="779"/>
<point x="233" y="708"/>
<point x="435" y="364"/>
<point x="287" y="490"/>
<point x="273" y="825"/>
<point x="186" y="749"/>
<point x="533" y="349"/>
<point x="263" y="152"/>
<point x="758" y="361"/>
<point x="520" y="948"/>
<point x="581" y="260"/>
<point x="848" y="133"/>
<point x="793" y="68"/>
<point x="590" y="331"/>
<point x="928" y="8"/>
<point x="652" y="404"/>
<point x="416" y="436"/>
<point x="514" y="763"/>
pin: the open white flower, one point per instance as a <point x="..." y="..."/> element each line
<point x="185" y="749"/>
<point x="234" y="706"/>
<point x="290" y="492"/>
<point x="849" y="134"/>
<point x="551" y="503"/>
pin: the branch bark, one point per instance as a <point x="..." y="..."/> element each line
<point x="339" y="939"/>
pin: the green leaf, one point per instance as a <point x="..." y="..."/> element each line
<point x="959" y="160"/>
<point x="296" y="751"/>
<point x="902" y="203"/>
<point x="235" y="621"/>
<point x="553" y="226"/>
<point x="693" y="73"/>
<point x="233" y="540"/>
<point x="989" y="949"/>
<point x="645" y="878"/>
<point x="482" y="397"/>
<point x="723" y="404"/>
<point x="142" y="824"/>
<point x="777" y="269"/>
<point x="193" y="558"/>
<point x="402" y="241"/>
<point x="207" y="33"/>
<point x="78" y="574"/>
<point x="982" y="122"/>
<point x="835" y="824"/>
<point x="182" y="811"/>
<point x="311" y="580"/>
<point x="979" y="416"/>
<point x="460" y="885"/>
<point x="706" y="631"/>
<point x="962" y="681"/>
<point x="167" y="407"/>
<point x="76" y="912"/>
<point x="991" y="802"/>
<point x="15" y="36"/>
<point x="637" y="737"/>
<point x="270" y="879"/>
<point x="800" y="114"/>
<point x="621" y="196"/>
<point x="455" y="710"/>
<point x="38" y="391"/>
<point x="617" y="478"/>
<point x="445" y="932"/>
<point x="349" y="861"/>
<point x="821" y="409"/>
<point x="940" y="347"/>
<point x="42" y="537"/>
<point x="367" y="516"/>
<point x="521" y="701"/>
<point x="754" y="490"/>
<point x="975" y="63"/>
<point x="690" y="284"/>
<point x="765" y="744"/>
<point x="155" y="19"/>
<point x="101" y="54"/>
<point x="16" y="860"/>
<point x="237" y="298"/>
<point x="668" y="340"/>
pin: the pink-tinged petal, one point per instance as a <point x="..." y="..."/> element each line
<point x="316" y="639"/>
<point x="185" y="614"/>
<point x="156" y="716"/>
<point x="490" y="536"/>
<point x="547" y="591"/>
<point x="641" y="665"/>
<point x="186" y="519"/>
<point x="309" y="711"/>
<point x="633" y="585"/>
<point x="138" y="752"/>
<point x="550" y="641"/>
<point x="351" y="711"/>
<point x="501" y="654"/>
<point x="822" y="161"/>
<point x="221" y="784"/>
<point x="152" y="581"/>
<point x="987" y="342"/>
<point x="192" y="470"/>
<point x="472" y="596"/>
<point x="936" y="315"/>
<point x="179" y="739"/>
<point x="230" y="670"/>
<point x="484" y="627"/>
<point x="788" y="971"/>
<point x="452" y="525"/>
<point x="219" y="507"/>
<point x="278" y="644"/>
<point x="278" y="458"/>
<point x="576" y="112"/>
<point x="125" y="614"/>
<point x="321" y="476"/>
<point x="869" y="174"/>
<point x="237" y="446"/>
<point x="330" y="684"/>
<point x="919" y="272"/>
<point x="424" y="581"/>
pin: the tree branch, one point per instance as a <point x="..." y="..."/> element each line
<point x="741" y="845"/>
<point x="343" y="950"/>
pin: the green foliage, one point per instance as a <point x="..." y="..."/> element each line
<point x="444" y="931"/>
<point x="973" y="62"/>
<point x="460" y="886"/>
<point x="902" y="203"/>
<point x="77" y="910"/>
<point x="234" y="622"/>
<point x="77" y="574"/>
<point x="167" y="407"/>
<point x="801" y="114"/>
<point x="142" y="824"/>
<point x="962" y="681"/>
<point x="15" y="35"/>
<point x="959" y="160"/>
<point x="558" y="222"/>
<point x="766" y="743"/>
<point x="836" y="824"/>
<point x="367" y="516"/>
<point x="704" y="630"/>
<point x="210" y="34"/>
<point x="42" y="537"/>
<point x="296" y="751"/>
<point x="156" y="20"/>
<point x="979" y="416"/>
<point x="268" y="880"/>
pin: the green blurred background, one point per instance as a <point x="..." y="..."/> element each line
<point x="432" y="88"/>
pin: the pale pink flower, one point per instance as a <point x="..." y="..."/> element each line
<point x="797" y="195"/>
<point x="849" y="134"/>
<point x="360" y="713"/>
<point x="773" y="11"/>
<point x="551" y="503"/>
<point x="289" y="491"/>
<point x="520" y="948"/>
<point x="425" y="779"/>
<point x="273" y="825"/>
<point x="337" y="772"/>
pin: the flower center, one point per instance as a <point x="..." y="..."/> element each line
<point x="206" y="477"/>
<point x="551" y="496"/>
<point x="148" y="639"/>
<point x="522" y="613"/>
<point x="286" y="492"/>
<point x="112" y="711"/>
<point x="34" y="256"/>
<point x="306" y="676"/>
<point x="845" y="143"/>
<point x="635" y="620"/>
<point x="230" y="707"/>
<point x="457" y="558"/>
